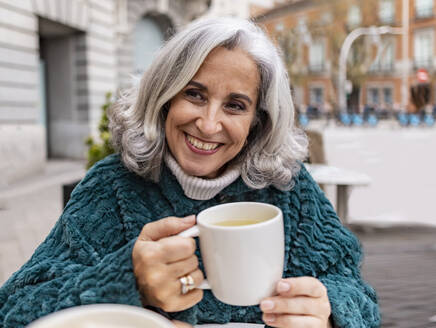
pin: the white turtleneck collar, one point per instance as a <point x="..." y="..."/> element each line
<point x="199" y="188"/>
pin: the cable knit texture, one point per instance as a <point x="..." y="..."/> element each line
<point x="86" y="258"/>
<point x="198" y="188"/>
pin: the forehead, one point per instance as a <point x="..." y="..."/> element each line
<point x="232" y="68"/>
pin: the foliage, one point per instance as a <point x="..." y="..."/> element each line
<point x="98" y="150"/>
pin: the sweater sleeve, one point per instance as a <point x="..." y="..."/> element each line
<point x="353" y="302"/>
<point x="83" y="260"/>
<point x="330" y="252"/>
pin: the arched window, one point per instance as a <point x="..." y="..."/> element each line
<point x="148" y="38"/>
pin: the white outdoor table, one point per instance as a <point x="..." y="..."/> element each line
<point x="343" y="179"/>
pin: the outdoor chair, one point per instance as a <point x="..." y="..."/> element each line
<point x="316" y="150"/>
<point x="316" y="147"/>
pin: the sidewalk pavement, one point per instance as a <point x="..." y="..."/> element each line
<point x="28" y="211"/>
<point x="399" y="262"/>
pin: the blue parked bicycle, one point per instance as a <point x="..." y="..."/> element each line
<point x="403" y="119"/>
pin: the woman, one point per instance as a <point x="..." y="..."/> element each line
<point x="211" y="122"/>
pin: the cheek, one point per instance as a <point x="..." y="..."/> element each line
<point x="240" y="132"/>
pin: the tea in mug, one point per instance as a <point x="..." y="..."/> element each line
<point x="236" y="223"/>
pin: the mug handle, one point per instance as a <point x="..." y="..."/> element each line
<point x="195" y="232"/>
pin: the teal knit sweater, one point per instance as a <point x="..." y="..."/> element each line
<point x="86" y="258"/>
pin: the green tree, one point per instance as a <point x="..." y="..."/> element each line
<point x="99" y="149"/>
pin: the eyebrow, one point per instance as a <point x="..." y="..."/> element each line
<point x="233" y="95"/>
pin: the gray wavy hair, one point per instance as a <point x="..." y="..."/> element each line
<point x="274" y="145"/>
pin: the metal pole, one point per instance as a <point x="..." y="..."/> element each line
<point x="346" y="46"/>
<point x="405" y="66"/>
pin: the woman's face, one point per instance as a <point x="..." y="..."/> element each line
<point x="209" y="120"/>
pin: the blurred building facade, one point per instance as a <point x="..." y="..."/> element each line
<point x="58" y="59"/>
<point x="311" y="33"/>
<point x="240" y="8"/>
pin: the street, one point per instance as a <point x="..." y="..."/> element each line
<point x="400" y="263"/>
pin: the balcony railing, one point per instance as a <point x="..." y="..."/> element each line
<point x="423" y="63"/>
<point x="382" y="68"/>
<point x="424" y="12"/>
<point x="317" y="68"/>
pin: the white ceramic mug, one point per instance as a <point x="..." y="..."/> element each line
<point x="242" y="263"/>
<point x="103" y="316"/>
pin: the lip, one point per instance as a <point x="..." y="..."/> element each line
<point x="200" y="151"/>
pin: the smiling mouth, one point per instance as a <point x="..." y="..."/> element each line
<point x="201" y="145"/>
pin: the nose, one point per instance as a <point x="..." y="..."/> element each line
<point x="209" y="122"/>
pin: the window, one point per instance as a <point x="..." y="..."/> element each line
<point x="387" y="97"/>
<point x="148" y="38"/>
<point x="373" y="96"/>
<point x="387" y="11"/>
<point x="423" y="8"/>
<point x="387" y="57"/>
<point x="380" y="96"/>
<point x="423" y="48"/>
<point x="316" y="96"/>
<point x="303" y="31"/>
<point x="385" y="60"/>
<point x="317" y="55"/>
<point x="326" y="18"/>
<point x="354" y="16"/>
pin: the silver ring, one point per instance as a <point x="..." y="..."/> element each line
<point x="187" y="284"/>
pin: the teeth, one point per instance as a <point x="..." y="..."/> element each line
<point x="201" y="145"/>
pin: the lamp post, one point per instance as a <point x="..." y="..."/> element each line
<point x="405" y="50"/>
<point x="345" y="49"/>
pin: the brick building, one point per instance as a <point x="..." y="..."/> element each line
<point x="316" y="51"/>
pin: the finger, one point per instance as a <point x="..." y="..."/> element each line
<point x="182" y="268"/>
<point x="196" y="275"/>
<point x="301" y="305"/>
<point x="181" y="324"/>
<point x="189" y="300"/>
<point x="176" y="248"/>
<point x="286" y="320"/>
<point x="301" y="286"/>
<point x="165" y="227"/>
<point x="169" y="297"/>
<point x="193" y="296"/>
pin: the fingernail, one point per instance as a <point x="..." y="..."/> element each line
<point x="283" y="286"/>
<point x="189" y="219"/>
<point x="266" y="305"/>
<point x="269" y="317"/>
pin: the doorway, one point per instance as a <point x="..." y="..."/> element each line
<point x="57" y="80"/>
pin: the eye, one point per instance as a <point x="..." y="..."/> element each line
<point x="235" y="106"/>
<point x="194" y="94"/>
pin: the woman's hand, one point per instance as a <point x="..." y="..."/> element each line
<point x="301" y="302"/>
<point x="181" y="324"/>
<point x="160" y="258"/>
